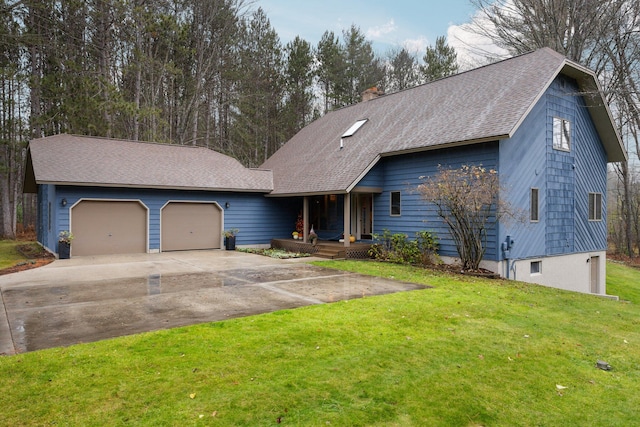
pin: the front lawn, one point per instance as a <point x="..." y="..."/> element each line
<point x="467" y="352"/>
<point x="19" y="255"/>
<point x="9" y="256"/>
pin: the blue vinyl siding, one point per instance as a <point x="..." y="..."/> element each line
<point x="402" y="173"/>
<point x="564" y="178"/>
<point x="258" y="218"/>
<point x="560" y="212"/>
<point x="522" y="167"/>
<point x="375" y="177"/>
<point x="591" y="177"/>
<point x="46" y="211"/>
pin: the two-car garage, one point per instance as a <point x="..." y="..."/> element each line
<point x="104" y="227"/>
<point x="119" y="196"/>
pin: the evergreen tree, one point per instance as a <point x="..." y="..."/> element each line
<point x="439" y="61"/>
<point x="363" y="69"/>
<point x="331" y="67"/>
<point x="299" y="72"/>
<point x="257" y="125"/>
<point x="402" y="71"/>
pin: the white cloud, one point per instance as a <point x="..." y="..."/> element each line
<point x="382" y="30"/>
<point x="472" y="48"/>
<point x="417" y="46"/>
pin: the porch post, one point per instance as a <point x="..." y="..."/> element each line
<point x="305" y="219"/>
<point x="347" y="219"/>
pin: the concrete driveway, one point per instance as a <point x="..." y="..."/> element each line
<point x="87" y="299"/>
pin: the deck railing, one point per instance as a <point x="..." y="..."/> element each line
<point x="357" y="250"/>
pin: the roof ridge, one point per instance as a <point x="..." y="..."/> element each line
<point x="106" y="138"/>
<point x="491" y="64"/>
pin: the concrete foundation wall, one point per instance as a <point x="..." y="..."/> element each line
<point x="569" y="272"/>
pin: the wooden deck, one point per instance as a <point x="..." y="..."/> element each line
<point x="325" y="249"/>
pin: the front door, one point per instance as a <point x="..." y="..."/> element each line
<point x="364" y="216"/>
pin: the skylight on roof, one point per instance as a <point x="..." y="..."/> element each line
<point x="354" y="128"/>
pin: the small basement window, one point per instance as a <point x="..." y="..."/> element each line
<point x="354" y="128"/>
<point x="536" y="267"/>
<point x="395" y="203"/>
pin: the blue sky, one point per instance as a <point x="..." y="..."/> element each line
<point x="387" y="23"/>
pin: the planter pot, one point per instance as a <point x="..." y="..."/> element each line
<point x="64" y="250"/>
<point x="230" y="243"/>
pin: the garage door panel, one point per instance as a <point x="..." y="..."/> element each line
<point x="109" y="227"/>
<point x="189" y="226"/>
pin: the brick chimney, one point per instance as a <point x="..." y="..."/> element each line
<point x="371" y="93"/>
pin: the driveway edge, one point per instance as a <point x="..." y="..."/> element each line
<point x="6" y="340"/>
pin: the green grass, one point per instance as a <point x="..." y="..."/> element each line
<point x="9" y="256"/>
<point x="467" y="352"/>
<point x="623" y="281"/>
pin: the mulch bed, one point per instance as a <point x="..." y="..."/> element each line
<point x="456" y="269"/>
<point x="36" y="257"/>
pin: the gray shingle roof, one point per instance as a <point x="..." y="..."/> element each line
<point x="487" y="103"/>
<point x="80" y="160"/>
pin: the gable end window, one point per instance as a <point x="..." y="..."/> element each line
<point x="561" y="134"/>
<point x="595" y="206"/>
<point x="534" y="213"/>
<point x="395" y="203"/>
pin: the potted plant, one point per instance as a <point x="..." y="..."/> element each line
<point x="300" y="226"/>
<point x="64" y="244"/>
<point x="230" y="239"/>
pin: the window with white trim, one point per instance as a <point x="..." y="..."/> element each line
<point x="395" y="203"/>
<point x="595" y="206"/>
<point x="561" y="134"/>
<point x="534" y="214"/>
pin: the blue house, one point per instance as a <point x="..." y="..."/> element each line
<point x="538" y="119"/>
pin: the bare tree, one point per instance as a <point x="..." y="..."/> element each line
<point x="468" y="201"/>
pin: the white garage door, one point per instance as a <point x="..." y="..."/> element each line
<point x="187" y="226"/>
<point x="108" y="227"/>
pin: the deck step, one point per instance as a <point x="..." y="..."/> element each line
<point x="330" y="252"/>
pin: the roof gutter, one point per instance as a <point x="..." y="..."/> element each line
<point x="155" y="187"/>
<point x="307" y="193"/>
<point x="446" y="145"/>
